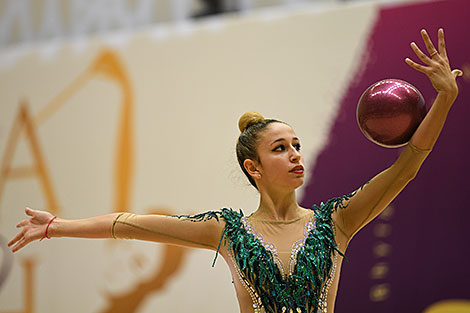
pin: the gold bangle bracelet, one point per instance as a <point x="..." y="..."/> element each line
<point x="114" y="224"/>
<point x="416" y="149"/>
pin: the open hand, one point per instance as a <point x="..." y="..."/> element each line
<point x="34" y="228"/>
<point x="437" y="66"/>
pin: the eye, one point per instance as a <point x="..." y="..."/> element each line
<point x="297" y="146"/>
<point x="280" y="148"/>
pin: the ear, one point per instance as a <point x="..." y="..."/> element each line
<point x="252" y="168"/>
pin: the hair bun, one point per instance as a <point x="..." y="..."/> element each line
<point x="248" y="119"/>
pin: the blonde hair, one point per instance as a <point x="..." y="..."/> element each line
<point x="251" y="125"/>
<point x="249" y="118"/>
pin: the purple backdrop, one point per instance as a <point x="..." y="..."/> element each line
<point x="428" y="256"/>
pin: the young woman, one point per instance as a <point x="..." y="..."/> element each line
<point x="283" y="258"/>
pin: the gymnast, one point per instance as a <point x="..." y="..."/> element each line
<point x="282" y="257"/>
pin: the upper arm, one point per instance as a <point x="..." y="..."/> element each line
<point x="183" y="230"/>
<point x="371" y="199"/>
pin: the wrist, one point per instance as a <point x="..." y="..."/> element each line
<point x="47" y="232"/>
<point x="449" y="94"/>
<point x="54" y="228"/>
<point x="444" y="101"/>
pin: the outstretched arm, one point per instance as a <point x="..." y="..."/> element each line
<point x="159" y="228"/>
<point x="374" y="197"/>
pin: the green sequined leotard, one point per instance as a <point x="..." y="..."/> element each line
<point x="286" y="266"/>
<point x="302" y="288"/>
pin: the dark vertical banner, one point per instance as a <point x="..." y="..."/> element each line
<point x="414" y="257"/>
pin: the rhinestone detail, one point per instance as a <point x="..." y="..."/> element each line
<point x="323" y="302"/>
<point x="296" y="246"/>
<point x="257" y="304"/>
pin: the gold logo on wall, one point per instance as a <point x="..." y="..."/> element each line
<point x="109" y="66"/>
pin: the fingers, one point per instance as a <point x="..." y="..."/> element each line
<point x="20" y="244"/>
<point x="15" y="239"/>
<point x="416" y="66"/>
<point x="442" y="44"/>
<point x="19" y="241"/>
<point x="22" y="238"/>
<point x="429" y="45"/>
<point x="440" y="56"/>
<point x="423" y="57"/>
<point x="22" y="223"/>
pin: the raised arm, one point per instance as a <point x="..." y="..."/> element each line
<point x="374" y="197"/>
<point x="204" y="232"/>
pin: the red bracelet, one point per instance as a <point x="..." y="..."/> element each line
<point x="47" y="228"/>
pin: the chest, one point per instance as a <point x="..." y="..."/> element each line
<point x="283" y="267"/>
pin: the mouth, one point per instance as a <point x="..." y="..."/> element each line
<point x="297" y="170"/>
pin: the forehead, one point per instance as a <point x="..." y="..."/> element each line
<point x="275" y="131"/>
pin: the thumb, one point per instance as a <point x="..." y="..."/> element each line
<point x="28" y="211"/>
<point x="457" y="73"/>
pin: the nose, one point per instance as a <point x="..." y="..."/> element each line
<point x="295" y="155"/>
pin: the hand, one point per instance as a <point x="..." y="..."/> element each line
<point x="34" y="228"/>
<point x="438" y="68"/>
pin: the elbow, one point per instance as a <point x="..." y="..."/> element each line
<point x="410" y="175"/>
<point x="406" y="175"/>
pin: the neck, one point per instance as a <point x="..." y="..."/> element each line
<point x="277" y="206"/>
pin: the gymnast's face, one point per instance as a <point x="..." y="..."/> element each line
<point x="280" y="160"/>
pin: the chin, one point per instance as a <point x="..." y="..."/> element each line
<point x="300" y="183"/>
